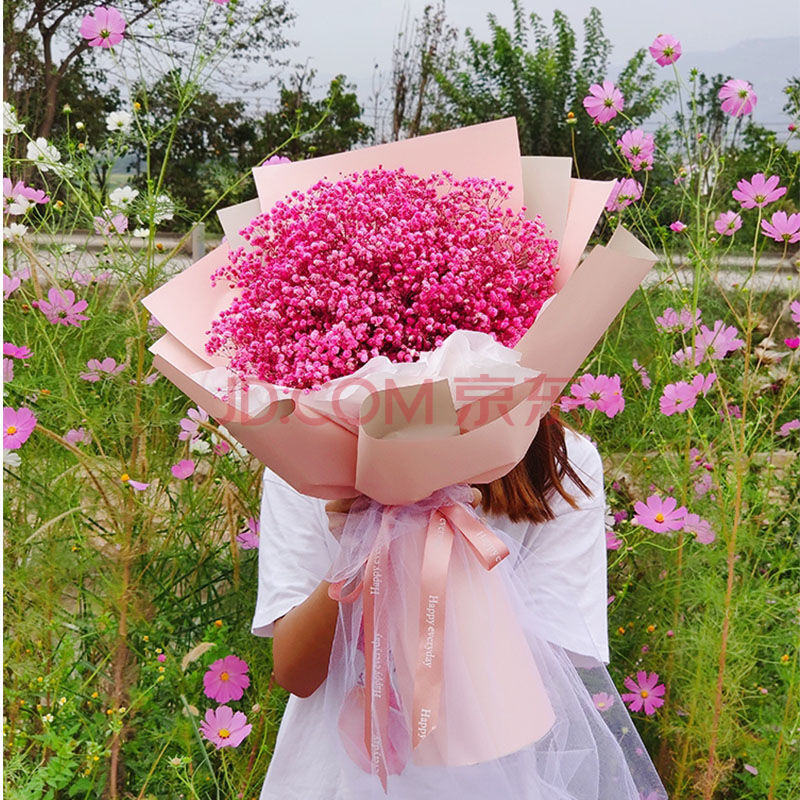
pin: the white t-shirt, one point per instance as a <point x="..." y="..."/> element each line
<point x="567" y="576"/>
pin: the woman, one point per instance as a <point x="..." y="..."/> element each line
<point x="552" y="506"/>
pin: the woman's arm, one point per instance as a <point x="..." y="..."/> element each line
<point x="302" y="641"/>
<point x="303" y="638"/>
<point x="301" y="645"/>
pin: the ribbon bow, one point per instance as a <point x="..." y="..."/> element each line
<point x="444" y="524"/>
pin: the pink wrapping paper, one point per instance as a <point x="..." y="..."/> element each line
<point x="316" y="454"/>
<point x="400" y="452"/>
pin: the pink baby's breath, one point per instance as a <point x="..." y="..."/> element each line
<point x="379" y="263"/>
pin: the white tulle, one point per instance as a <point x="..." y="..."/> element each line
<point x="585" y="754"/>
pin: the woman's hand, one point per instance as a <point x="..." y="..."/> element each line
<point x="302" y="642"/>
<point x="477" y="497"/>
<point x="337" y="511"/>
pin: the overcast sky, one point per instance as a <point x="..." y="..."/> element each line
<point x="351" y="36"/>
<point x="352" y="33"/>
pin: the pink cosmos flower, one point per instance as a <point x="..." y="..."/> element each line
<point x="226" y="679"/>
<point x="645" y="692"/>
<point x="8" y="370"/>
<point x="88" y="278"/>
<point x="659" y="516"/>
<point x="645" y="378"/>
<point x="600" y="392"/>
<point x="703" y="383"/>
<point x="78" y="436"/>
<point x="14" y="351"/>
<point x="223" y="3"/>
<point x="727" y="223"/>
<point x="702" y="486"/>
<point x="731" y="410"/>
<point x="128" y="481"/>
<point x="612" y="542"/>
<point x="750" y="768"/>
<point x="794" y="308"/>
<point x="625" y="192"/>
<point x="673" y="321"/>
<point x="60" y="307"/>
<point x="108" y="367"/>
<point x="758" y="191"/>
<point x="225" y="727"/>
<point x="603" y="102"/>
<point x="10" y="285"/>
<point x="190" y="424"/>
<point x="677" y="398"/>
<point x="701" y="528"/>
<point x="104" y="27"/>
<point x="738" y="97"/>
<point x="665" y="49"/>
<point x="17" y="197"/>
<point x="277" y="160"/>
<point x="602" y="701"/>
<point x="678" y="226"/>
<point x="161" y="658"/>
<point x="106" y="225"/>
<point x="638" y="147"/>
<point x="792" y="342"/>
<point x="713" y="343"/>
<point x="248" y="538"/>
<point x="18" y="425"/>
<point x="150" y="379"/>
<point x="788" y="427"/>
<point x="182" y="470"/>
<point x="783" y="228"/>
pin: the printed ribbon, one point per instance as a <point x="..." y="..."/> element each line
<point x="443" y="525"/>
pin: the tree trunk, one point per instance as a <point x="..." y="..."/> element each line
<point x="51" y="82"/>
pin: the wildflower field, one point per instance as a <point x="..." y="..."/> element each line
<point x="131" y="517"/>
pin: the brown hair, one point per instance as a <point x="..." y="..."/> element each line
<point x="524" y="492"/>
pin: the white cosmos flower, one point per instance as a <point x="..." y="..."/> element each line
<point x="238" y="452"/>
<point x="44" y="155"/>
<point x="164" y="209"/>
<point x="10" y="122"/>
<point x="119" y="121"/>
<point x="199" y="446"/>
<point x="11" y="459"/>
<point x="14" y="231"/>
<point x="140" y="233"/>
<point x="123" y="196"/>
<point x="19" y="204"/>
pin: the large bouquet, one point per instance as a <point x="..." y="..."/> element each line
<point x="393" y="322"/>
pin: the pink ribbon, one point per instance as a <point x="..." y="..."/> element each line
<point x="443" y="525"/>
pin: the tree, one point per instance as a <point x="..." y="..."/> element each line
<point x="43" y="47"/>
<point x="209" y="131"/>
<point x="533" y="74"/>
<point x="420" y="51"/>
<point x="331" y="124"/>
<point x="216" y="142"/>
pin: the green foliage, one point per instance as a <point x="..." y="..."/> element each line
<point x="44" y="51"/>
<point x="535" y="75"/>
<point x="297" y="111"/>
<point x="213" y="138"/>
<point x="117" y="600"/>
<point x="699" y="159"/>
